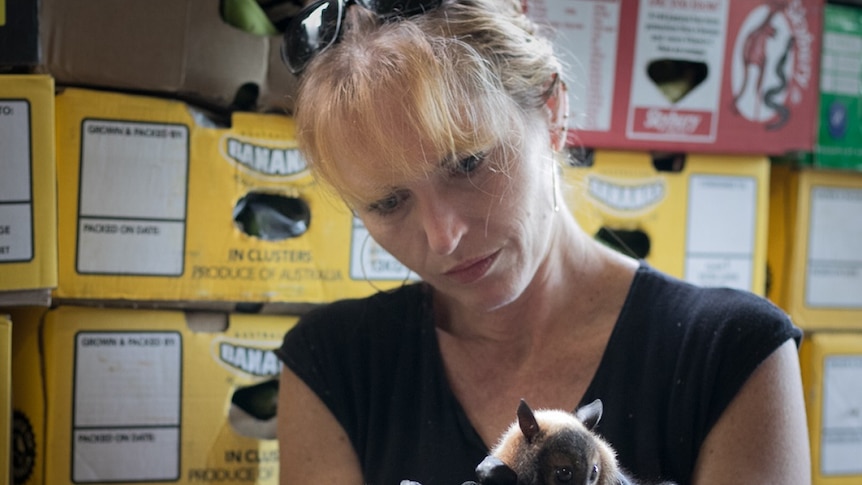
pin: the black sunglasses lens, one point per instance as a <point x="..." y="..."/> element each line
<point x="311" y="31"/>
<point x="399" y="7"/>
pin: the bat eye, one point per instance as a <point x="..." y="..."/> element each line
<point x="563" y="475"/>
<point x="594" y="474"/>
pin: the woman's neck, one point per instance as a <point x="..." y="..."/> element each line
<point x="578" y="282"/>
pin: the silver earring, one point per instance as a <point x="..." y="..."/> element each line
<point x="554" y="179"/>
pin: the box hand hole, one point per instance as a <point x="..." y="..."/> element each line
<point x="675" y="78"/>
<point x="253" y="410"/>
<point x="634" y="243"/>
<point x="668" y="162"/>
<point x="271" y="217"/>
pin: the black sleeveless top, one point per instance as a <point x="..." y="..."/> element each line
<point x="676" y="358"/>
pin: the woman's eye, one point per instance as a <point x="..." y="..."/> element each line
<point x="388" y="204"/>
<point x="468" y="164"/>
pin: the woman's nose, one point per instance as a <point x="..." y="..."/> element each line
<point x="443" y="224"/>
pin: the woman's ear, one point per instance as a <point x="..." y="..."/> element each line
<point x="557" y="107"/>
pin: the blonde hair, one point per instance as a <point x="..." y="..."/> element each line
<point x="462" y="75"/>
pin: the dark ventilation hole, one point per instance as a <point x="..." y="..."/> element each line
<point x="271" y="217"/>
<point x="245" y="98"/>
<point x="253" y="410"/>
<point x="634" y="243"/>
<point x="668" y="162"/>
<point x="675" y="78"/>
<point x="581" y="156"/>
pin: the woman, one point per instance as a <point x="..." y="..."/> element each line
<point x="440" y="126"/>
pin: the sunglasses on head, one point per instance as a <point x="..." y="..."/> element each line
<point x="318" y="26"/>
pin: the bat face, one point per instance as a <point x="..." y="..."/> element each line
<point x="551" y="447"/>
<point x="568" y="458"/>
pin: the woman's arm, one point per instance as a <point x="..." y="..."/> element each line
<point x="313" y="447"/>
<point x="762" y="436"/>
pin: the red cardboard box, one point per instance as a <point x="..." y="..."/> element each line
<point x="689" y="75"/>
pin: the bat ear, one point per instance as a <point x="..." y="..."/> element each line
<point x="590" y="414"/>
<point x="527" y="421"/>
<point x="492" y="471"/>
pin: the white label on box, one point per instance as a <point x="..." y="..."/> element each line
<point x="16" y="233"/>
<point x="841" y="65"/>
<point x="585" y="36"/>
<point x="369" y="261"/>
<point x="137" y="247"/>
<point x="16" y="204"/>
<point x="127" y="406"/>
<point x="841" y="428"/>
<point x="721" y="231"/>
<point x="677" y="32"/>
<point x="133" y="196"/>
<point x="834" y="272"/>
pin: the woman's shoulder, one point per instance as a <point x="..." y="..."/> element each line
<point x="665" y="308"/>
<point x="380" y="306"/>
<point x="383" y="313"/>
<point x="347" y="329"/>
<point x="668" y="295"/>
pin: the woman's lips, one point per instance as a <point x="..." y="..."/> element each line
<point x="471" y="271"/>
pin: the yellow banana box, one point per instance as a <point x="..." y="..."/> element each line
<point x="699" y="217"/>
<point x="28" y="397"/>
<point x="832" y="379"/>
<point x="5" y="393"/>
<point x="157" y="204"/>
<point x="150" y="396"/>
<point x="815" y="229"/>
<point x="28" y="199"/>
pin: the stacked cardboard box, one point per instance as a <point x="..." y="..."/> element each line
<point x="815" y="228"/>
<point x="165" y="48"/>
<point x="839" y="134"/>
<point x="690" y="76"/>
<point x="28" y="203"/>
<point x="5" y="393"/>
<point x="163" y="204"/>
<point x="157" y="207"/>
<point x="832" y="379"/>
<point x="145" y="396"/>
<point x="702" y="218"/>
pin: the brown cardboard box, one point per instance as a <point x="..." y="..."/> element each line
<point x="175" y="47"/>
